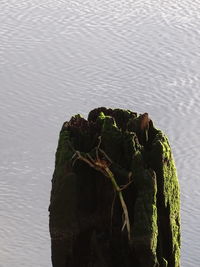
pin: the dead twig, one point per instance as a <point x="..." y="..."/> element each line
<point x="103" y="166"/>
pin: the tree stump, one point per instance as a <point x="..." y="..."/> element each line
<point x="115" y="197"/>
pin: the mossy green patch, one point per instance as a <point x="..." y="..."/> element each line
<point x="82" y="199"/>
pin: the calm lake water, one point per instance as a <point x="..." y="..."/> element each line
<point x="59" y="58"/>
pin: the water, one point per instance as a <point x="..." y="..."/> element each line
<point x="59" y="58"/>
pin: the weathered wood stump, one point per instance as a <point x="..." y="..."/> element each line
<point x="115" y="194"/>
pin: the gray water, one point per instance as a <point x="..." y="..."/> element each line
<point x="59" y="58"/>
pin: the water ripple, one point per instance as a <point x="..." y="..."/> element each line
<point x="58" y="58"/>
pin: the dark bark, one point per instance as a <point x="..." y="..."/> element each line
<point x="86" y="215"/>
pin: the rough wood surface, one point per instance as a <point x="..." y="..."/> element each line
<point x="87" y="222"/>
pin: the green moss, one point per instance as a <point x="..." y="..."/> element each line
<point x="161" y="160"/>
<point x="145" y="230"/>
<point x="153" y="199"/>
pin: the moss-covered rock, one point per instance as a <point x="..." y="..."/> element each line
<point x="88" y="226"/>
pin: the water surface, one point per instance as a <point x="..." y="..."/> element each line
<point x="59" y="58"/>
